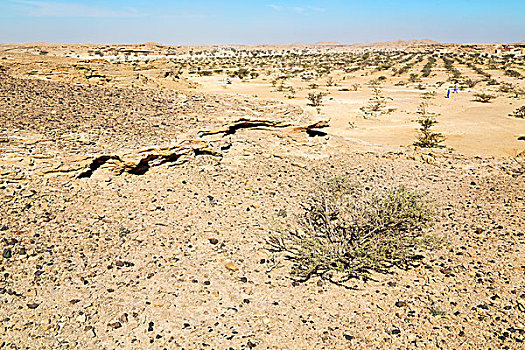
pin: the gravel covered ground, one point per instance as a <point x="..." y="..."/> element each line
<point x="176" y="257"/>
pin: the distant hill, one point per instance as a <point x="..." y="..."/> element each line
<point x="333" y="43"/>
<point x="390" y="44"/>
<point x="414" y="42"/>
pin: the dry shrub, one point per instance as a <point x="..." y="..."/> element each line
<point x="519" y="113"/>
<point x="316" y="99"/>
<point x="348" y="231"/>
<point x="483" y="98"/>
<point x="428" y="138"/>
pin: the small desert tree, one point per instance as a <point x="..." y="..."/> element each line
<point x="413" y="78"/>
<point x="315" y="98"/>
<point x="241" y="73"/>
<point x="427" y="138"/>
<point x="471" y="83"/>
<point x="376" y="103"/>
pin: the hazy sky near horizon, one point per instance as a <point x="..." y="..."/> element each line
<point x="197" y="22"/>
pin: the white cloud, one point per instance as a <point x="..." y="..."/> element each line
<point x="186" y="15"/>
<point x="297" y="9"/>
<point x="58" y="9"/>
<point x="316" y="9"/>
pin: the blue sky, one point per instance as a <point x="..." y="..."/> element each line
<point x="187" y="22"/>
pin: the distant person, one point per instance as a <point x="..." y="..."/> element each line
<point x="448" y="93"/>
<point x="455" y="89"/>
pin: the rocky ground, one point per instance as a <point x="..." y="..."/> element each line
<point x="137" y="218"/>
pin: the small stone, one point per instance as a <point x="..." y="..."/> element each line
<point x="231" y="266"/>
<point x="446" y="271"/>
<point x="396" y="331"/>
<point x="400" y="303"/>
<point x="348" y="337"/>
<point x="213" y="241"/>
<point x="81" y="318"/>
<point x="150" y="326"/>
<point x="7" y="253"/>
<point x="74" y="301"/>
<point x="115" y="325"/>
<point x="32" y="305"/>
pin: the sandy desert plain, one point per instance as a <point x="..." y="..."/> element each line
<point x="142" y="188"/>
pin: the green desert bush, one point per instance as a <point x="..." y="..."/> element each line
<point x="347" y="231"/>
<point x="427" y="138"/>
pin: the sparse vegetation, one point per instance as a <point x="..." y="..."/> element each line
<point x="483" y="97"/>
<point x="240" y="73"/>
<point x="154" y="178"/>
<point x="315" y="98"/>
<point x="345" y="231"/>
<point x="519" y="113"/>
<point x="513" y="73"/>
<point x="427" y="138"/>
<point x="456" y="75"/>
<point x="413" y="78"/>
<point x="377" y="103"/>
<point x="471" y="83"/>
<point x="427" y="69"/>
<point x="512" y="89"/>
